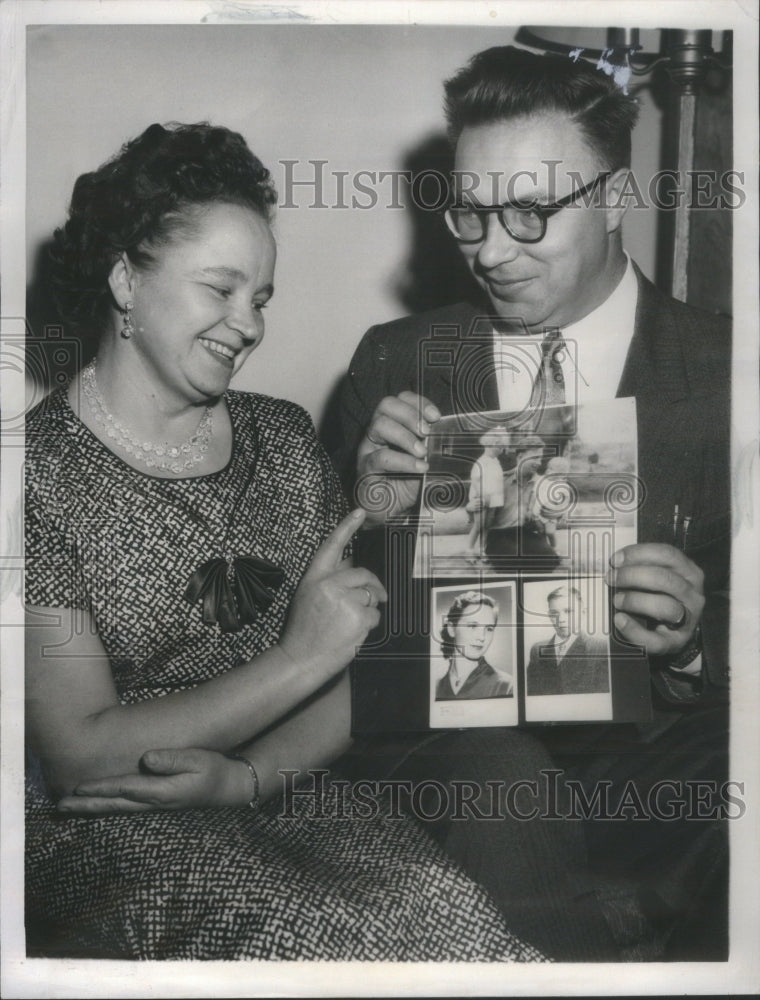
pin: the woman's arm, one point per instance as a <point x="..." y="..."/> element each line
<point x="79" y="730"/>
<point x="312" y="736"/>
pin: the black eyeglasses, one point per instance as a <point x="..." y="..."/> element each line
<point x="524" y="221"/>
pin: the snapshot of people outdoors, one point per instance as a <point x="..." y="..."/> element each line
<point x="501" y="498"/>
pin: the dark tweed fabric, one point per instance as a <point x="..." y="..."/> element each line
<point x="214" y="884"/>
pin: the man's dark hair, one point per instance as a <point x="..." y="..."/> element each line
<point x="504" y="83"/>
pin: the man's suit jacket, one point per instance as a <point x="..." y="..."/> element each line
<point x="584" y="669"/>
<point x="678" y="369"/>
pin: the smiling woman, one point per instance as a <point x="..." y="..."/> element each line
<point x="197" y="315"/>
<point x="466" y="637"/>
<point x="190" y="325"/>
<point x="173" y="268"/>
<point x="186" y="588"/>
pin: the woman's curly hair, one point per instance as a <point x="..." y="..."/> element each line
<point x="460" y="604"/>
<point x="135" y="201"/>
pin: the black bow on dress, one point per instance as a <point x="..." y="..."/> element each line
<point x="234" y="593"/>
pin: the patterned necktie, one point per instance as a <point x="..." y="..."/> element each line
<point x="549" y="386"/>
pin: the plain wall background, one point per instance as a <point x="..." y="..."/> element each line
<point x="360" y="97"/>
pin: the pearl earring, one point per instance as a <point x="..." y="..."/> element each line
<point x="128" y="328"/>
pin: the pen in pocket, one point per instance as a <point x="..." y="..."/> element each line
<point x="685" y="523"/>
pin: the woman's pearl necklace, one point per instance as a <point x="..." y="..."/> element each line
<point x="176" y="458"/>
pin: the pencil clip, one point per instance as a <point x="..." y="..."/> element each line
<point x="686" y="523"/>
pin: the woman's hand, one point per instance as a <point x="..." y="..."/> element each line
<point x="334" y="607"/>
<point x="659" y="584"/>
<point x="171" y="779"/>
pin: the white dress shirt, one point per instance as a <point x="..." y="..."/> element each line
<point x="597" y="347"/>
<point x="561" y="646"/>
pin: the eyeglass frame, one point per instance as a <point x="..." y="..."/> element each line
<point x="544" y="212"/>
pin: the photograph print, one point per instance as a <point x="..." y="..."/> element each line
<point x="257" y="151"/>
<point x="473" y="656"/>
<point x="501" y="497"/>
<point x="566" y="650"/>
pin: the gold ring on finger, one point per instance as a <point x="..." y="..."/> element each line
<point x="675" y="626"/>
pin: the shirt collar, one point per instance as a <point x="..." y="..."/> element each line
<point x="619" y="305"/>
<point x="561" y="646"/>
<point x="473" y="674"/>
<point x="599" y="342"/>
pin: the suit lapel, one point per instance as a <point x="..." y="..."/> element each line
<point x="655" y="373"/>
<point x="468" y="383"/>
<point x="576" y="648"/>
<point x="655" y="365"/>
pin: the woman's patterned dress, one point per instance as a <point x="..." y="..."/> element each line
<point x="213" y="883"/>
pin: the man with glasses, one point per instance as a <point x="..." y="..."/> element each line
<point x="542" y="152"/>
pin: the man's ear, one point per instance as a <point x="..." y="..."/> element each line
<point x="122" y="281"/>
<point x="617" y="189"/>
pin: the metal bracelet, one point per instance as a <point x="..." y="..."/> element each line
<point x="255" y="801"/>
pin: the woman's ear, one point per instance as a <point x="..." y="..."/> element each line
<point x="122" y="281"/>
